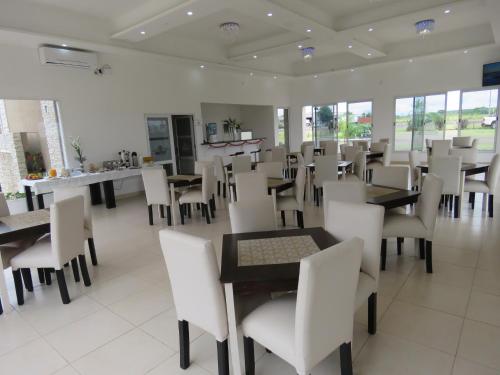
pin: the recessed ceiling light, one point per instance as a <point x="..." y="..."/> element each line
<point x="349" y="46"/>
<point x="269" y="14"/>
<point x="64" y="45"/>
<point x="189" y="13"/>
<point x="410" y="61"/>
<point x="254" y="56"/>
<point x="143" y="32"/>
<point x="251" y="74"/>
<point x="352" y="69"/>
<point x="308" y="30"/>
<point x="370" y="29"/>
<point x="299" y="46"/>
<point x="275" y="77"/>
<point x="315" y="76"/>
<point x="466" y="51"/>
<point x="447" y="11"/>
<point x="202" y="66"/>
<point x="369" y="54"/>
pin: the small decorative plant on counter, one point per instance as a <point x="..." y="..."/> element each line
<point x="77" y="146"/>
<point x="232" y="126"/>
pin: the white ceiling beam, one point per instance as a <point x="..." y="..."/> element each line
<point x="493" y="7"/>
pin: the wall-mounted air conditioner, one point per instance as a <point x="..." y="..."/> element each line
<point x="64" y="56"/>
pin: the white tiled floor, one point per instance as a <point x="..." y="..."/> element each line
<point x="125" y="323"/>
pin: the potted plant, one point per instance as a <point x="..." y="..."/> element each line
<point x="77" y="146"/>
<point x="232" y="126"/>
<point x="16" y="202"/>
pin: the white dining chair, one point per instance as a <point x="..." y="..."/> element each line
<point x="420" y="225"/>
<point x="468" y="155"/>
<point x="441" y="148"/>
<point x="394" y="177"/>
<point x="348" y="191"/>
<point x="305" y="328"/>
<point x="363" y="145"/>
<point x="487" y="186"/>
<point x="252" y="215"/>
<point x="304" y="145"/>
<point x="200" y="164"/>
<point x="326" y="169"/>
<point x="384" y="140"/>
<point x="278" y="154"/>
<point x="199" y="196"/>
<point x="366" y="221"/>
<point x="359" y="165"/>
<point x="70" y="192"/>
<point x="329" y="147"/>
<point x="342" y="149"/>
<point x="241" y="164"/>
<point x="385" y="161"/>
<point x="250" y="186"/>
<point x="308" y="154"/>
<point x="413" y="160"/>
<point x="378" y="147"/>
<point x="64" y="244"/>
<point x="220" y="175"/>
<point x="462" y="142"/>
<point x="295" y="202"/>
<point x="449" y="169"/>
<point x="350" y="152"/>
<point x="157" y="192"/>
<point x="273" y="169"/>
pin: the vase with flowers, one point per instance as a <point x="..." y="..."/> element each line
<point x="77" y="146"/>
<point x="233" y="126"/>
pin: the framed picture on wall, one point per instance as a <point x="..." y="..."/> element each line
<point x="211" y="129"/>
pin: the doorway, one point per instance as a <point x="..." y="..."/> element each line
<point x="184" y="143"/>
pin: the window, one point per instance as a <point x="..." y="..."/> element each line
<point x="282" y="133"/>
<point x="444" y="116"/>
<point x="30" y="140"/>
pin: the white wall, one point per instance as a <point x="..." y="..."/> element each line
<point x="260" y="119"/>
<point x="383" y="83"/>
<point x="107" y="112"/>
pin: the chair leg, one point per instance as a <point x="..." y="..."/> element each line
<point x="18" y="282"/>
<point x="248" y="348"/>
<point x="223" y="357"/>
<point x="218" y="188"/>
<point x="93" y="256"/>
<point x="76" y="273"/>
<point x="224" y="190"/>
<point x="48" y="277"/>
<point x="150" y="213"/>
<point x="457" y="208"/>
<point x="283" y="220"/>
<point x="472" y="199"/>
<point x="300" y="219"/>
<point x="212" y="207"/>
<point x="169" y="216"/>
<point x="1" y="308"/>
<point x="421" y="243"/>
<point x="372" y="314"/>
<point x="41" y="275"/>
<point x="63" y="289"/>
<point x="428" y="256"/>
<point x="85" y="271"/>
<point x="181" y="212"/>
<point x="207" y="214"/>
<point x="28" y="282"/>
<point x="400" y="241"/>
<point x="162" y="211"/>
<point x="490" y="205"/>
<point x="345" y="359"/>
<point x="188" y="209"/>
<point x="383" y="254"/>
<point x="184" y="343"/>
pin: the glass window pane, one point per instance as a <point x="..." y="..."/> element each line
<point x="403" y="124"/>
<point x="435" y="115"/>
<point x="479" y="117"/>
<point x="360" y="120"/>
<point x="452" y="114"/>
<point x="342" y="123"/>
<point x="159" y="138"/>
<point x="324" y="123"/>
<point x="307" y="121"/>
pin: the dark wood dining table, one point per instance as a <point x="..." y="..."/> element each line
<point x="390" y="197"/>
<point x="260" y="278"/>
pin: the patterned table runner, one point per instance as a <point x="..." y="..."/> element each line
<point x="378" y="191"/>
<point x="26" y="219"/>
<point x="277" y="250"/>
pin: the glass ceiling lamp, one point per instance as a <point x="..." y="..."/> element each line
<point x="307" y="53"/>
<point x="230" y="29"/>
<point x="425" y="27"/>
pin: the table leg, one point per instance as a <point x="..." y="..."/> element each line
<point x="95" y="194"/>
<point x="344" y="172"/>
<point x="273" y="194"/>
<point x="419" y="179"/>
<point x="233" y="330"/>
<point x="227" y="184"/>
<point x="460" y="195"/>
<point x="173" y="204"/>
<point x="39" y="199"/>
<point x="4" y="295"/>
<point x="29" y="198"/>
<point x="308" y="183"/>
<point x="109" y="194"/>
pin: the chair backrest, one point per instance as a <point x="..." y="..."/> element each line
<point x="273" y="169"/>
<point x="309" y="154"/>
<point x="428" y="202"/>
<point x="386" y="160"/>
<point x="350" y="152"/>
<point x="395" y="176"/>
<point x="330" y="147"/>
<point x="441" y="148"/>
<point x="366" y="221"/>
<point x="428" y="142"/>
<point x="207" y="183"/>
<point x="84" y="191"/>
<point x="413" y="161"/>
<point x="278" y="154"/>
<point x="448" y="169"/>
<point x="267" y="156"/>
<point x="377" y="147"/>
<point x="252" y="215"/>
<point x="194" y="276"/>
<point x="251" y="186"/>
<point x="493" y="174"/>
<point x="219" y="168"/>
<point x="200" y="164"/>
<point x="342" y="148"/>
<point x="363" y="145"/>
<point x="326" y="169"/>
<point x="469" y="155"/>
<point x="155" y="185"/>
<point x="384" y="140"/>
<point x="300" y="186"/>
<point x="67" y="229"/>
<point x="349" y="191"/>
<point x="242" y="164"/>
<point x="359" y="167"/>
<point x="4" y="208"/>
<point x="304" y="145"/>
<point x="324" y="315"/>
<point x="475" y="143"/>
<point x="300" y="160"/>
<point x="462" y="142"/>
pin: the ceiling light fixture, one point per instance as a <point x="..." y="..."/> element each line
<point x="370" y="29"/>
<point x="299" y="46"/>
<point x="275" y="77"/>
<point x="269" y="14"/>
<point x="466" y="51"/>
<point x="352" y="69"/>
<point x="251" y="74"/>
<point x="447" y="11"/>
<point x="189" y="13"/>
<point x="64" y="45"/>
<point x="230" y="29"/>
<point x="143" y="32"/>
<point x="202" y="66"/>
<point x="308" y="30"/>
<point x="307" y="53"/>
<point x="369" y="54"/>
<point x="410" y="61"/>
<point x="349" y="46"/>
<point x="425" y="26"/>
<point x="315" y="76"/>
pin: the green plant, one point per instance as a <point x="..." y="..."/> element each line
<point x="231" y="125"/>
<point x="77" y="146"/>
<point x="16" y="195"/>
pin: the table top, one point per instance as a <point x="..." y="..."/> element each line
<point x="24" y="225"/>
<point x="246" y="277"/>
<point x="279" y="184"/>
<point x="340" y="163"/>
<point x="390" y="197"/>
<point x="185" y="179"/>
<point x="468" y="168"/>
<point x="373" y="154"/>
